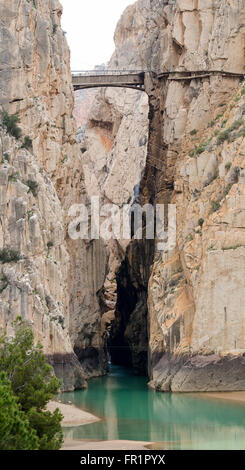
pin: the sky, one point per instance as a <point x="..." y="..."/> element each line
<point x="90" y="26"/>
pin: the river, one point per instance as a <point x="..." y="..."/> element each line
<point x="130" y="410"/>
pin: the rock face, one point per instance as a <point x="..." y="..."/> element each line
<point x="181" y="142"/>
<point x="195" y="160"/>
<point x="51" y="284"/>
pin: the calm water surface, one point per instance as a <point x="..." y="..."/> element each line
<point x="130" y="410"/>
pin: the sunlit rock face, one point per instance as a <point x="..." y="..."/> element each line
<point x="195" y="293"/>
<point x="180" y="142"/>
<point x="51" y="286"/>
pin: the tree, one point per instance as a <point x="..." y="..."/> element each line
<point x="15" y="430"/>
<point x="33" y="383"/>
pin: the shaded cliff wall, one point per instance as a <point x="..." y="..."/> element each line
<point x="51" y="284"/>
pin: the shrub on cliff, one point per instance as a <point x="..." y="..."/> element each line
<point x="7" y="255"/>
<point x="32" y="383"/>
<point x="10" y="122"/>
<point x="33" y="187"/>
<point x="27" y="144"/>
<point x="15" y="430"/>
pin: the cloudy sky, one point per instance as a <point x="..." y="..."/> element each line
<point x="90" y="26"/>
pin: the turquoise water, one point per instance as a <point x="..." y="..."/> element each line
<point x="130" y="410"/>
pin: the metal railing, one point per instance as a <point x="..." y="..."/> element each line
<point x="157" y="73"/>
<point x="91" y="73"/>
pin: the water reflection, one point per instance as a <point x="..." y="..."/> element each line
<point x="129" y="410"/>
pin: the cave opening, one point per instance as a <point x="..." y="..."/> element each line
<point x="127" y="340"/>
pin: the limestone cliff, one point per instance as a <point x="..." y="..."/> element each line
<point x="50" y="284"/>
<point x="195" y="159"/>
<point x="181" y="142"/>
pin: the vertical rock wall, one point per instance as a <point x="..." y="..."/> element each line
<point x="194" y="159"/>
<point x="51" y="286"/>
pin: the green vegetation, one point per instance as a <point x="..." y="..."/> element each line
<point x="27" y="144"/>
<point x="201" y="222"/>
<point x="7" y="255"/>
<point x="219" y="116"/>
<point x="15" y="430"/>
<point x="50" y="245"/>
<point x="10" y="123"/>
<point x="224" y="123"/>
<point x="33" y="187"/>
<point x="236" y="124"/>
<point x="193" y="132"/>
<point x="225" y="135"/>
<point x="14" y="177"/>
<point x="26" y="388"/>
<point x="228" y="165"/>
<point x="200" y="149"/>
<point x="3" y="283"/>
<point x="215" y="206"/>
<point x="5" y="157"/>
<point x="241" y="133"/>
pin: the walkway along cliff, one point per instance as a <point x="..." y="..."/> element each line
<point x="182" y="141"/>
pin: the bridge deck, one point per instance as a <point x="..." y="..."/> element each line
<point x="136" y="78"/>
<point x="110" y="78"/>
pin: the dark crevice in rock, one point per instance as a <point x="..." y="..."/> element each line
<point x="129" y="335"/>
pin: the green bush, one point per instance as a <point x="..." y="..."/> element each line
<point x="223" y="136"/>
<point x="27" y="144"/>
<point x="236" y="124"/>
<point x="192" y="153"/>
<point x="14" y="177"/>
<point x="215" y="206"/>
<point x="10" y="123"/>
<point x="201" y="148"/>
<point x="33" y="186"/>
<point x="193" y="132"/>
<point x="33" y="384"/>
<point x="3" y="283"/>
<point x="228" y="165"/>
<point x="201" y="222"/>
<point x="5" y="157"/>
<point x="7" y="255"/>
<point x="50" y="245"/>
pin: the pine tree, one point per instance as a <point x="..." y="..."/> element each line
<point x="15" y="430"/>
<point x="32" y="383"/>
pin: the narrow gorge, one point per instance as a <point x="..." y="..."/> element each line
<point x="175" y="316"/>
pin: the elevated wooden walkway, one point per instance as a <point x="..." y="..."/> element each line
<point x="136" y="78"/>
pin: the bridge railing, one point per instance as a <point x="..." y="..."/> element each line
<point x="92" y="73"/>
